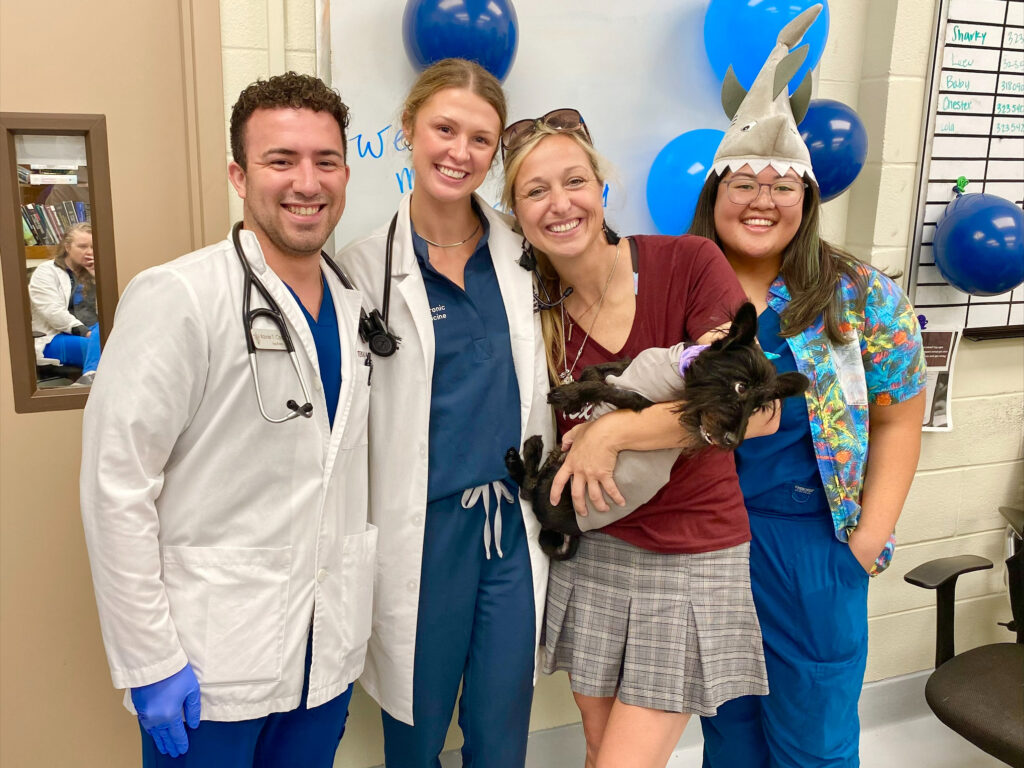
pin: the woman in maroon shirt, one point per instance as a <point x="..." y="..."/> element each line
<point x="653" y="617"/>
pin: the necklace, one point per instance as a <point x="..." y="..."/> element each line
<point x="452" y="245"/>
<point x="565" y="377"/>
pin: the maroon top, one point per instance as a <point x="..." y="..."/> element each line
<point x="686" y="288"/>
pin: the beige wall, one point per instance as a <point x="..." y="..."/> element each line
<point x="135" y="63"/>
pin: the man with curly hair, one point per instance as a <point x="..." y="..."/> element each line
<point x="226" y="522"/>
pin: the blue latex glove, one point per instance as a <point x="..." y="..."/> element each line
<point x="160" y="706"/>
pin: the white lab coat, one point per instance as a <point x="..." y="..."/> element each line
<point x="399" y="425"/>
<point x="49" y="293"/>
<point x="216" y="537"/>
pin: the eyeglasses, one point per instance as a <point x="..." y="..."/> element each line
<point x="784" y="192"/>
<point x="565" y="120"/>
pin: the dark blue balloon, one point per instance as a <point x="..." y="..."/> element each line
<point x="677" y="176"/>
<point x="742" y="33"/>
<point x="483" y="31"/>
<point x="838" y="143"/>
<point x="979" y="245"/>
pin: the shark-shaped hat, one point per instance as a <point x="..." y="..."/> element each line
<point x="763" y="130"/>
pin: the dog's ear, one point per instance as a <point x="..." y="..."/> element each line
<point x="743" y="330"/>
<point x="789" y="384"/>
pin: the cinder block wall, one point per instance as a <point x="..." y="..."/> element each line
<point x="260" y="38"/>
<point x="876" y="61"/>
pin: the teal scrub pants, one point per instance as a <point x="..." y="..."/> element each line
<point x="811" y="599"/>
<point x="476" y="626"/>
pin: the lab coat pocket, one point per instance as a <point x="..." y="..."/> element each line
<point x="228" y="605"/>
<point x="850" y="368"/>
<point x="358" y="571"/>
<point x="355" y="420"/>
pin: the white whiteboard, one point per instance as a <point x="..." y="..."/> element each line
<point x="975" y="129"/>
<point x="636" y="70"/>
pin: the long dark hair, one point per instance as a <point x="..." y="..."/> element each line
<point x="811" y="266"/>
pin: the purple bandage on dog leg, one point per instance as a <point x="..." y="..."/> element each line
<point x="688" y="355"/>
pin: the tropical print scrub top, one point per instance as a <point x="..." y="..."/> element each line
<point x="882" y="364"/>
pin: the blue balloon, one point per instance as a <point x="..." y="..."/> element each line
<point x="838" y="143"/>
<point x="677" y="176"/>
<point x="742" y="33"/>
<point x="979" y="245"/>
<point x="483" y="31"/>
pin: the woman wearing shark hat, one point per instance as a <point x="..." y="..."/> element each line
<point x="821" y="517"/>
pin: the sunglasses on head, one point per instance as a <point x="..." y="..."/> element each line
<point x="565" y="120"/>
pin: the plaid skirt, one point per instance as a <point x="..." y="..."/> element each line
<point x="676" y="633"/>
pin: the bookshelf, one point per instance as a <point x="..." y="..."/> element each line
<point x="54" y="193"/>
<point x="54" y="173"/>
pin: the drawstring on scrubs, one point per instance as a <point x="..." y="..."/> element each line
<point x="471" y="496"/>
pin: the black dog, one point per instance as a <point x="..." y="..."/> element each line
<point x="722" y="387"/>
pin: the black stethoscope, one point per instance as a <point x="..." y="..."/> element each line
<point x="373" y="328"/>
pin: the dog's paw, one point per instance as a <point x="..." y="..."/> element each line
<point x="558" y="546"/>
<point x="514" y="464"/>
<point x="565" y="398"/>
<point x="533" y="452"/>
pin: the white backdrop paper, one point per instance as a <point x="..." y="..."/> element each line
<point x="636" y="70"/>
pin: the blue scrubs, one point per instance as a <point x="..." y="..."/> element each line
<point x="83" y="351"/>
<point x="476" y="612"/>
<point x="811" y="599"/>
<point x="328" y="347"/>
<point x="306" y="737"/>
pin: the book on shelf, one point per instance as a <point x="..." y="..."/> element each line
<point x="53" y="167"/>
<point x="62" y="217"/>
<point x="27" y="223"/>
<point x="56" y="229"/>
<point x="23" y="174"/>
<point x="38" y="225"/>
<point x="71" y="211"/>
<point x="26" y="231"/>
<point x="40" y="179"/>
<point x="34" y="224"/>
<point x="82" y="209"/>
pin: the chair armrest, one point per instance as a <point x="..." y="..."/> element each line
<point x="941" y="575"/>
<point x="935" y="573"/>
<point x="1015" y="517"/>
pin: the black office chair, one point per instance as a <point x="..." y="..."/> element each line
<point x="979" y="693"/>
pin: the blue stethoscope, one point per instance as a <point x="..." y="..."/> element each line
<point x="373" y="328"/>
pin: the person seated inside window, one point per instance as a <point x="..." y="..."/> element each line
<point x="63" y="296"/>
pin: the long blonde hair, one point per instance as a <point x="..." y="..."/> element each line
<point x="546" y="276"/>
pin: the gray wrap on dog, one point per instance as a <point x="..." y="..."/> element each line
<point x="639" y="475"/>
